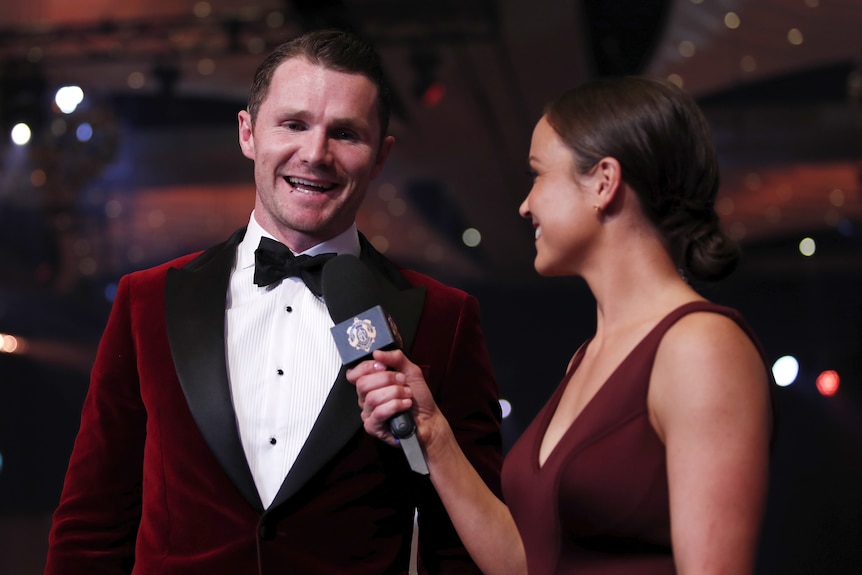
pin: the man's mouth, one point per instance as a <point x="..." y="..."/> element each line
<point x="308" y="186"/>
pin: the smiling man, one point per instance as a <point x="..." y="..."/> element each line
<point x="219" y="434"/>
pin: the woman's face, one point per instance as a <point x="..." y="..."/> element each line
<point x="560" y="204"/>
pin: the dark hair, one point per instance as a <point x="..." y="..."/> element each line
<point x="333" y="49"/>
<point x="662" y="141"/>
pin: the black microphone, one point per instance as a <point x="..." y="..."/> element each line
<point x="353" y="297"/>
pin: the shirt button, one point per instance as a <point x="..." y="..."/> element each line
<point x="272" y="441"/>
<point x="288" y="308"/>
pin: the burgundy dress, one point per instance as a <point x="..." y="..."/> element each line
<point x="599" y="504"/>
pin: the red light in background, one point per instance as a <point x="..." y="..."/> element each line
<point x="433" y="94"/>
<point x="828" y="382"/>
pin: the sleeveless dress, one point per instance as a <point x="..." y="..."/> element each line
<point x="599" y="504"/>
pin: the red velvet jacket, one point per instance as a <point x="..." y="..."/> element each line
<point x="158" y="481"/>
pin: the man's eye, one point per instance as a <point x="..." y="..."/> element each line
<point x="296" y="126"/>
<point x="345" y="135"/>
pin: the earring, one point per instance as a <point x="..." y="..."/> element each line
<point x="597" y="207"/>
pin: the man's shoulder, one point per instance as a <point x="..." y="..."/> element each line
<point x="157" y="273"/>
<point x="435" y="288"/>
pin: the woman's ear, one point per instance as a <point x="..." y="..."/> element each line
<point x="608" y="178"/>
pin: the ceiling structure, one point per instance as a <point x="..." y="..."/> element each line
<point x="163" y="175"/>
<point x="165" y="78"/>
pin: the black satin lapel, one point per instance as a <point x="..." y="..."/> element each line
<point x="405" y="307"/>
<point x="195" y="312"/>
<point x="339" y="419"/>
<point x="401" y="299"/>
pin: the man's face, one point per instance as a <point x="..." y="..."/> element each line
<point x="316" y="146"/>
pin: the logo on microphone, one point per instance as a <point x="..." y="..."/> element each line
<point x="361" y="334"/>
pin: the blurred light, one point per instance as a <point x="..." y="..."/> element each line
<point x="812" y="3"/>
<point x="113" y="209"/>
<point x="387" y="192"/>
<point x="8" y="343"/>
<point x="828" y="383"/>
<point x="807" y="247"/>
<point x="156" y="218"/>
<point x="505" y="407"/>
<point x="753" y="181"/>
<point x="725" y="206"/>
<point x="21" y="134"/>
<point x="87" y="266"/>
<point x="38" y="178"/>
<point x="686" y="49"/>
<point x="397" y="207"/>
<point x="136" y="80"/>
<point x="84" y="132"/>
<point x="676" y="80"/>
<point x="748" y="64"/>
<point x="255" y="45"/>
<point x="206" y="66"/>
<point x="433" y="94"/>
<point x="58" y="127"/>
<point x="737" y="231"/>
<point x="731" y="20"/>
<point x="1" y="463"/>
<point x="111" y="292"/>
<point x="202" y="9"/>
<point x="380" y="219"/>
<point x="67" y="98"/>
<point x="471" y="237"/>
<point x="275" y="19"/>
<point x="381" y="243"/>
<point x="836" y="197"/>
<point x="35" y="54"/>
<point x="433" y="253"/>
<point x="785" y="369"/>
<point x="794" y="36"/>
<point x="773" y="214"/>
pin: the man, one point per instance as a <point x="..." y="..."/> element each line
<point x="220" y="435"/>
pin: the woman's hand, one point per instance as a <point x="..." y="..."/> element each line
<point x="387" y="385"/>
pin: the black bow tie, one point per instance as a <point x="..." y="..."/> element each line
<point x="273" y="261"/>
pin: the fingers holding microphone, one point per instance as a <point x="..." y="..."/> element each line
<point x="386" y="386"/>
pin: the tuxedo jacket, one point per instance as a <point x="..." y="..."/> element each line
<point x="158" y="482"/>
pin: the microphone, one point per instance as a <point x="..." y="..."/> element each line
<point x="352" y="296"/>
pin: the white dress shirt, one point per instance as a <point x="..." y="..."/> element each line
<point x="281" y="360"/>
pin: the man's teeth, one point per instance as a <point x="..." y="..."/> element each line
<point x="307" y="185"/>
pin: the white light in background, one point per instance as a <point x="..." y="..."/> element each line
<point x="807" y="247"/>
<point x="785" y="369"/>
<point x="21" y="134"/>
<point x="67" y="98"/>
<point x="471" y="237"/>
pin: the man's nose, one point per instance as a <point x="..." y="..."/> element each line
<point x="315" y="148"/>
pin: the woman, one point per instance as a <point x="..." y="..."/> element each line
<point x="652" y="455"/>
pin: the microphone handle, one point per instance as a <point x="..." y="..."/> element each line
<point x="402" y="425"/>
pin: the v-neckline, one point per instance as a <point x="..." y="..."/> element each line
<point x="554" y="402"/>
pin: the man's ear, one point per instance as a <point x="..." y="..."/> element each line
<point x="382" y="155"/>
<point x="246" y="134"/>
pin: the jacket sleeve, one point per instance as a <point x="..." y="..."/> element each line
<point x="95" y="524"/>
<point x="466" y="392"/>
